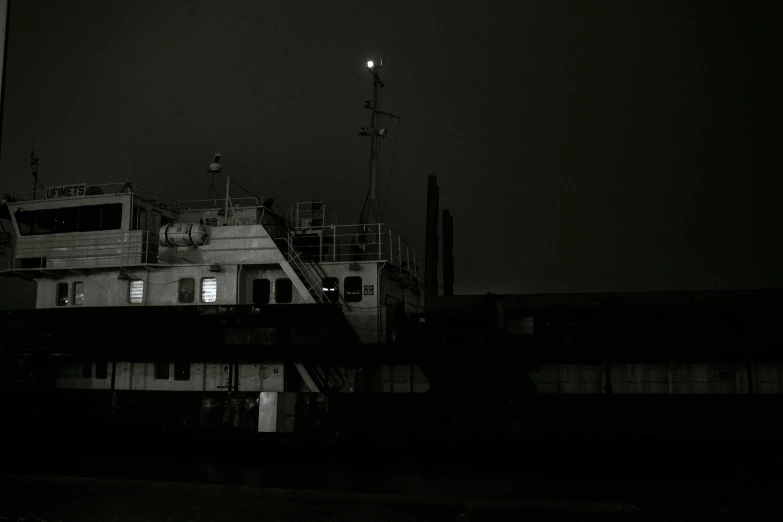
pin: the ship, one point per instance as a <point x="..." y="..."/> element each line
<point x="140" y="293"/>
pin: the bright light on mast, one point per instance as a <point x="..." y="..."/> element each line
<point x="370" y="64"/>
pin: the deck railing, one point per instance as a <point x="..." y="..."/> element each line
<point x="311" y="214"/>
<point x="359" y="242"/>
<point x="106" y="189"/>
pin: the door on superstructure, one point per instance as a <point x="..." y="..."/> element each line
<point x="151" y="243"/>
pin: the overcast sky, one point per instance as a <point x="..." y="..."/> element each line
<point x="581" y="146"/>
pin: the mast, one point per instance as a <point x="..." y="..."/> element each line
<point x="5" y="18"/>
<point x="370" y="211"/>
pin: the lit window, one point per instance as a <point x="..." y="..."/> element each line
<point x="62" y="294"/>
<point x="331" y="289"/>
<point x="208" y="290"/>
<point x="353" y="289"/>
<point x="136" y="292"/>
<point x="187" y="290"/>
<point x="78" y="293"/>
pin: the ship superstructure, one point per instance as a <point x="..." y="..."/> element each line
<point x="119" y="245"/>
<point x="177" y="282"/>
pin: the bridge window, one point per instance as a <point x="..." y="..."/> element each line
<point x="261" y="291"/>
<point x="136" y="292"/>
<point x="78" y="293"/>
<point x="139" y="218"/>
<point x="187" y="290"/>
<point x="208" y="289"/>
<point x="67" y="220"/>
<point x="181" y="371"/>
<point x="162" y="371"/>
<point x="283" y="291"/>
<point x="88" y="218"/>
<point x="62" y="294"/>
<point x="111" y="216"/>
<point x="331" y="289"/>
<point x="31" y="262"/>
<point x="353" y="289"/>
<point x="87" y="370"/>
<point x="101" y="370"/>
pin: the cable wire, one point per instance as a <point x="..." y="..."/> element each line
<point x="391" y="169"/>
<point x="243" y="188"/>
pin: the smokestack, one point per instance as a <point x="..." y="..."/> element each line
<point x="448" y="255"/>
<point x="431" y="241"/>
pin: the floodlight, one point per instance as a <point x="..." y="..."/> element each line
<point x="370" y="64"/>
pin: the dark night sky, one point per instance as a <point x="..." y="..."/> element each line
<point x="581" y="146"/>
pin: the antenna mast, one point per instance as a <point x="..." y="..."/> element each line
<point x="375" y="132"/>
<point x="214" y="168"/>
<point x="34" y="170"/>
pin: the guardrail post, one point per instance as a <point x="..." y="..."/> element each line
<point x="380" y="241"/>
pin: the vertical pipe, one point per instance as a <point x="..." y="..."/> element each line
<point x="5" y="17"/>
<point x="448" y="256"/>
<point x="431" y="241"/>
<point x="225" y="217"/>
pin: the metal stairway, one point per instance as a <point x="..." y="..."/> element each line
<point x="310" y="272"/>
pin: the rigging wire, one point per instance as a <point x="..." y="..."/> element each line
<point x="391" y="169"/>
<point x="243" y="188"/>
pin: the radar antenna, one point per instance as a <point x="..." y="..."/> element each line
<point x="34" y="170"/>
<point x="214" y="168"/>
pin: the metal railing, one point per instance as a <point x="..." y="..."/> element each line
<point x="358" y="243"/>
<point x="312" y="282"/>
<point x="311" y="215"/>
<point x="106" y="189"/>
<point x="312" y="274"/>
<point x="219" y="203"/>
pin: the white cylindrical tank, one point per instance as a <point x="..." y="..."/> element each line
<point x="183" y="234"/>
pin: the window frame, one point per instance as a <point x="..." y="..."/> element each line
<point x="81" y="298"/>
<point x="130" y="290"/>
<point x="61" y="300"/>
<point x="178" y="366"/>
<point x="349" y="298"/>
<point x="268" y="290"/>
<point x="335" y="292"/>
<point x="157" y="376"/>
<point x="202" y="289"/>
<point x="182" y="280"/>
<point x="290" y="290"/>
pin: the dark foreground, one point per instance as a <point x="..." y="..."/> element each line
<point x="188" y="474"/>
<point x="51" y="498"/>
